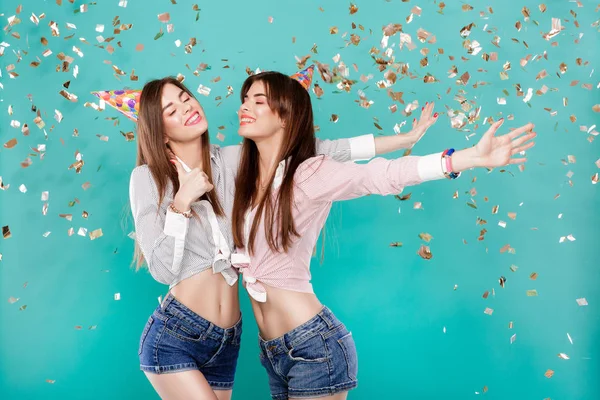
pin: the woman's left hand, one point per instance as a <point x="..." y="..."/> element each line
<point x="497" y="151"/>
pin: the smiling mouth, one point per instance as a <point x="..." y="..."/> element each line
<point x="194" y="119"/>
<point x="246" y="121"/>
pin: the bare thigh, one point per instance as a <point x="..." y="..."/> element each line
<point x="186" y="385"/>
<point x="338" y="396"/>
<point x="223" y="394"/>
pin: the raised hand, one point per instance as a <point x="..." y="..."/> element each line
<point x="192" y="185"/>
<point x="497" y="151"/>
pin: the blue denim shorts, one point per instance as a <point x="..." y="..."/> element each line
<point x="316" y="359"/>
<point x="176" y="339"/>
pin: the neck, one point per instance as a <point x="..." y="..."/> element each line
<point x="190" y="152"/>
<point x="268" y="153"/>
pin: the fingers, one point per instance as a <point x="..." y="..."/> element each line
<point x="519" y="149"/>
<point x="527" y="127"/>
<point x="517" y="160"/>
<point x="522" y="139"/>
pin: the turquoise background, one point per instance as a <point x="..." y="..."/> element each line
<point x="396" y="303"/>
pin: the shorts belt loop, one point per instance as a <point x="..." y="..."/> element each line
<point x="166" y="301"/>
<point x="324" y="314"/>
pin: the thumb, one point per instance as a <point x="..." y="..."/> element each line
<point x="178" y="166"/>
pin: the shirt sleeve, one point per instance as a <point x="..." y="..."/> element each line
<point x="324" y="179"/>
<point x="160" y="235"/>
<point x="355" y="148"/>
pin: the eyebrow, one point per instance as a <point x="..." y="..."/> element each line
<point x="170" y="104"/>
<point x="257" y="95"/>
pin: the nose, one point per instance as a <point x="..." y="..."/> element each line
<point x="244" y="107"/>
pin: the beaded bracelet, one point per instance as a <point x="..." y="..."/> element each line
<point x="187" y="214"/>
<point x="447" y="164"/>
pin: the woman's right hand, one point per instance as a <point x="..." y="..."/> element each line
<point x="192" y="185"/>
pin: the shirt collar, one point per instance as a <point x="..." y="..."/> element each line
<point x="188" y="169"/>
<point x="279" y="173"/>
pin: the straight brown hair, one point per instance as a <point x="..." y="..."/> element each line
<point x="291" y="102"/>
<point x="152" y="150"/>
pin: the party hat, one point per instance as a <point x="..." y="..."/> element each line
<point x="304" y="76"/>
<point x="125" y="101"/>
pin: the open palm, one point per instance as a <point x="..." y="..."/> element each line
<point x="496" y="151"/>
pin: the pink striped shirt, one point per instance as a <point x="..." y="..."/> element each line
<point x="319" y="181"/>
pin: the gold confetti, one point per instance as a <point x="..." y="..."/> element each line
<point x="549" y="373"/>
<point x="488" y="311"/>
<point x="353" y="8"/>
<point x="396" y="244"/>
<point x="563" y="356"/>
<point x="12" y="300"/>
<point x="6" y="232"/>
<point x="10" y="144"/>
<point x="426" y="237"/>
<point x="164" y="17"/>
<point x="425" y="252"/>
<point x="532" y="293"/>
<point x="96" y="234"/>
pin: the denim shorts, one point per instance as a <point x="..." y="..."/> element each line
<point x="316" y="359"/>
<point x="176" y="339"/>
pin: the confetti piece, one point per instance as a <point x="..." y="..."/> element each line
<point x="511" y="325"/>
<point x="117" y="296"/>
<point x="549" y="373"/>
<point x="582" y="301"/>
<point x="488" y="311"/>
<point x="12" y="300"/>
<point x="164" y="17"/>
<point x="6" y="232"/>
<point x="96" y="234"/>
<point x="563" y="356"/>
<point x="513" y="338"/>
<point x="50" y="381"/>
<point x="425" y="252"/>
<point x="396" y="244"/>
<point x="532" y="293"/>
<point x="426" y="237"/>
<point x="569" y="337"/>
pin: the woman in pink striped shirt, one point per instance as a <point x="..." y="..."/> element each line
<point x="283" y="195"/>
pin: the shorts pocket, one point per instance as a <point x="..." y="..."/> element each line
<point x="182" y="330"/>
<point x="313" y="350"/>
<point x="145" y="334"/>
<point x="348" y="346"/>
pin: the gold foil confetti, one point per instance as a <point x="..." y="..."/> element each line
<point x="425" y="252"/>
<point x="488" y="311"/>
<point x="532" y="293"/>
<point x="396" y="244"/>
<point x="11" y="143"/>
<point x="96" y="234"/>
<point x="549" y="373"/>
<point x="426" y="237"/>
<point x="513" y="338"/>
<point x="6" y="232"/>
<point x="533" y="276"/>
<point x="12" y="300"/>
<point x="563" y="356"/>
<point x="117" y="296"/>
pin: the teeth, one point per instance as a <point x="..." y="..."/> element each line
<point x="194" y="119"/>
<point x="249" y="120"/>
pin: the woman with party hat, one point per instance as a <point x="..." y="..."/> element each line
<point x="284" y="192"/>
<point x="181" y="195"/>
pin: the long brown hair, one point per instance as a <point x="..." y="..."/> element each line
<point x="152" y="150"/>
<point x="291" y="102"/>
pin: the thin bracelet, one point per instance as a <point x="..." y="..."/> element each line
<point x="187" y="214"/>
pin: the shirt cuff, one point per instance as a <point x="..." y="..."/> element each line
<point x="175" y="225"/>
<point x="430" y="167"/>
<point x="362" y="147"/>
